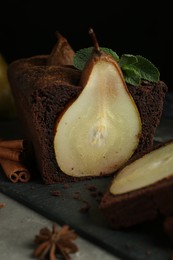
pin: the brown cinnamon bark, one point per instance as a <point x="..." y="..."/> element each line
<point x="15" y="171"/>
<point x="11" y="154"/>
<point x="18" y="144"/>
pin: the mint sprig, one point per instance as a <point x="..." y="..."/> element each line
<point x="134" y="68"/>
<point x="138" y="68"/>
<point x="83" y="55"/>
<point x="132" y="76"/>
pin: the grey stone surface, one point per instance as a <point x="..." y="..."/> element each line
<point x="18" y="227"/>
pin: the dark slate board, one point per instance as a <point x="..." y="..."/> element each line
<point x="145" y="241"/>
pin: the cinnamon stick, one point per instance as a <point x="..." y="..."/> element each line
<point x="15" y="171"/>
<point x="18" y="144"/>
<point x="11" y="154"/>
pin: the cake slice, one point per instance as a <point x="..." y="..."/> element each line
<point x="142" y="190"/>
<point x="44" y="92"/>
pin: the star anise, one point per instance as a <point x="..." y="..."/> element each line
<point x="56" y="241"/>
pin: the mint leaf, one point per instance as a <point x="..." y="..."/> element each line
<point x="134" y="68"/>
<point x="83" y="55"/>
<point x="132" y="76"/>
<point x="146" y="69"/>
<point x="127" y="59"/>
<point x="141" y="65"/>
<point x="111" y="52"/>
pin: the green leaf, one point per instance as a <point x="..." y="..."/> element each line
<point x="134" y="68"/>
<point x="147" y="70"/>
<point x="132" y="76"/>
<point x="111" y="52"/>
<point x="138" y="64"/>
<point x="127" y="59"/>
<point x="83" y="55"/>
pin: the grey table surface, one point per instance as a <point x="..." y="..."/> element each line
<point x="20" y="224"/>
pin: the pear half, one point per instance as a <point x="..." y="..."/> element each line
<point x="7" y="104"/>
<point x="62" y="53"/>
<point x="149" y="169"/>
<point x="101" y="129"/>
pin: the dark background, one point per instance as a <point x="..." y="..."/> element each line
<point x="28" y="28"/>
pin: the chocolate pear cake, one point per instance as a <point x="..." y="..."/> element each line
<point x="83" y="124"/>
<point x="142" y="190"/>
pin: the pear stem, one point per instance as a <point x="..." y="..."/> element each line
<point x="94" y="39"/>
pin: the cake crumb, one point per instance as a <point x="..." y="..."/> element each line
<point x="66" y="186"/>
<point x="94" y="194"/>
<point x="76" y="196"/>
<point x="92" y="188"/>
<point x="86" y="207"/>
<point x="56" y="193"/>
<point x="77" y="192"/>
<point x="2" y="205"/>
<point x="148" y="252"/>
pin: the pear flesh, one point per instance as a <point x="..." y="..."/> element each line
<point x="100" y="130"/>
<point x="149" y="169"/>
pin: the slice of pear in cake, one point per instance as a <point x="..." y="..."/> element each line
<point x="149" y="169"/>
<point x="100" y="130"/>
